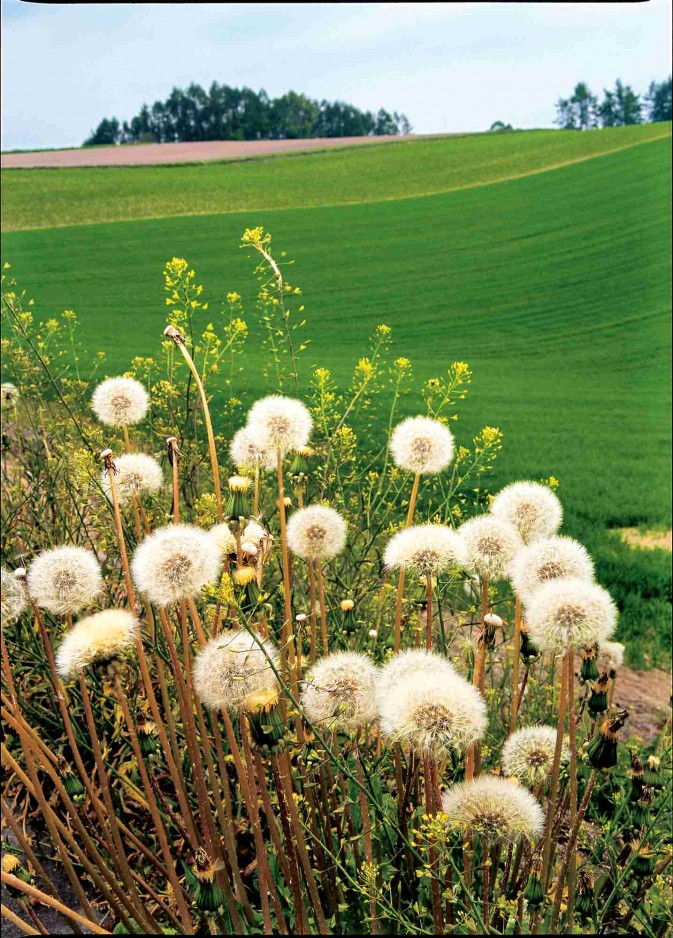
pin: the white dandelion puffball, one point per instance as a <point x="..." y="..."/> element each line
<point x="13" y="594"/>
<point x="254" y="533"/>
<point x="549" y="558"/>
<point x="64" y="580"/>
<point x="433" y="712"/>
<point x="174" y="563"/>
<point x="9" y="394"/>
<point x="532" y="508"/>
<point x="612" y="653"/>
<point x="528" y="754"/>
<point x="222" y="538"/>
<point x="422" y="445"/>
<point x="136" y="474"/>
<point x="279" y="423"/>
<point x="425" y="549"/>
<point x="497" y="809"/>
<point x="233" y="666"/>
<point x="414" y="661"/>
<point x="569" y="613"/>
<point x="316" y="532"/>
<point x="247" y="454"/>
<point x="119" y="402"/>
<point x="96" y="638"/>
<point x="338" y="692"/>
<point x="491" y="544"/>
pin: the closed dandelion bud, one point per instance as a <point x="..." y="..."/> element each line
<point x="528" y="649"/>
<point x="645" y="860"/>
<point x="348" y="619"/>
<point x="239" y="502"/>
<point x="71" y="782"/>
<point x="147" y="735"/>
<point x="598" y="702"/>
<point x="640" y="812"/>
<point x="299" y="465"/>
<point x="268" y="730"/>
<point x="584" y="905"/>
<point x="601" y="751"/>
<point x="589" y="670"/>
<point x="533" y="892"/>
<point x="636" y="775"/>
<point x="12" y="865"/>
<point x="246" y="577"/>
<point x="652" y="775"/>
<point x="208" y="895"/>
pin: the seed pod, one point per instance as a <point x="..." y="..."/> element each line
<point x="598" y="702"/>
<point x="636" y="774"/>
<point x="238" y="507"/>
<point x="268" y="730"/>
<point x="589" y="670"/>
<point x="644" y="862"/>
<point x="533" y="892"/>
<point x="652" y="775"/>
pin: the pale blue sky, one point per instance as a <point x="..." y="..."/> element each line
<point x="449" y="66"/>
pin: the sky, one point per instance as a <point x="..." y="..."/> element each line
<point x="451" y="67"/>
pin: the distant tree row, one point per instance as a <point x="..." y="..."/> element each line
<point x="618" y="107"/>
<point x="224" y="113"/>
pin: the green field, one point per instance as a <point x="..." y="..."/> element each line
<point x="540" y="258"/>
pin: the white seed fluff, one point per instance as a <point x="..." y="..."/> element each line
<point x="316" y="532"/>
<point x="136" y="474"/>
<point x="254" y="533"/>
<point x="231" y="667"/>
<point x="413" y="661"/>
<point x="528" y="754"/>
<point x="246" y="454"/>
<point x="222" y="538"/>
<point x="119" y="402"/>
<point x="496" y="809"/>
<point x="96" y="638"/>
<point x="491" y="544"/>
<point x="433" y="712"/>
<point x="338" y="692"/>
<point x="569" y="613"/>
<point x="532" y="508"/>
<point x="549" y="558"/>
<point x="64" y="580"/>
<point x="423" y="445"/>
<point x="612" y="654"/>
<point x="13" y="594"/>
<point x="174" y="563"/>
<point x="425" y="549"/>
<point x="279" y="423"/>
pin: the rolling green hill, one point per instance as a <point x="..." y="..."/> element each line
<point x="554" y="286"/>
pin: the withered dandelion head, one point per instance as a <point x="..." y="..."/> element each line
<point x="13" y="594"/>
<point x="95" y="639"/>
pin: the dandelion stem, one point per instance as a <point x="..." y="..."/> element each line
<point x="554" y="778"/>
<point x="570" y="851"/>
<point x="323" y="607"/>
<point x="397" y="635"/>
<point x="515" y="664"/>
<point x="428" y="613"/>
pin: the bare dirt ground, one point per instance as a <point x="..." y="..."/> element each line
<point x="647" y="539"/>
<point x="156" y="153"/>
<point x="647" y="694"/>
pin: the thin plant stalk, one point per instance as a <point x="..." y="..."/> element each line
<point x="570" y="851"/>
<point x="397" y="634"/>
<point x="572" y="745"/>
<point x="435" y="885"/>
<point x="312" y="612"/>
<point x="367" y="836"/>
<point x="515" y="664"/>
<point x="554" y="777"/>
<point x="323" y="607"/>
<point x="294" y="881"/>
<point x="286" y="648"/>
<point x="428" y="613"/>
<point x="34" y="893"/>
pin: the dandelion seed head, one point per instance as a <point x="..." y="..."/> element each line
<point x="569" y="613"/>
<point x="96" y="638"/>
<point x="423" y="445"/>
<point x="413" y="661"/>
<point x="549" y="558"/>
<point x="233" y="666"/>
<point x="491" y="544"/>
<point x="9" y="394"/>
<point x="247" y="454"/>
<point x="432" y="712"/>
<point x="425" y="549"/>
<point x="174" y="563"/>
<point x="532" y="508"/>
<point x="119" y="402"/>
<point x="64" y="580"/>
<point x="495" y="809"/>
<point x="136" y="474"/>
<point x="279" y="423"/>
<point x="13" y="595"/>
<point x="612" y="654"/>
<point x="254" y="532"/>
<point x="339" y="692"/>
<point x="528" y="754"/>
<point x="224" y="540"/>
<point x="316" y="532"/>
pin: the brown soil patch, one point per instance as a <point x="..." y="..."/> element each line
<point x="156" y="153"/>
<point x="650" y="540"/>
<point x="647" y="694"/>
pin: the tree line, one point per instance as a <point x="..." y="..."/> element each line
<point x="619" y="106"/>
<point x="225" y="113"/>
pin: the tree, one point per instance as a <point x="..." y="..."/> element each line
<point x="499" y="127"/>
<point x="620" y="107"/>
<point x="579" y="111"/>
<point x="658" y="101"/>
<point x="565" y="115"/>
<point x="108" y="132"/>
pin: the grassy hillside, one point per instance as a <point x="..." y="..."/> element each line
<point x="39" y="198"/>
<point x="555" y="287"/>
